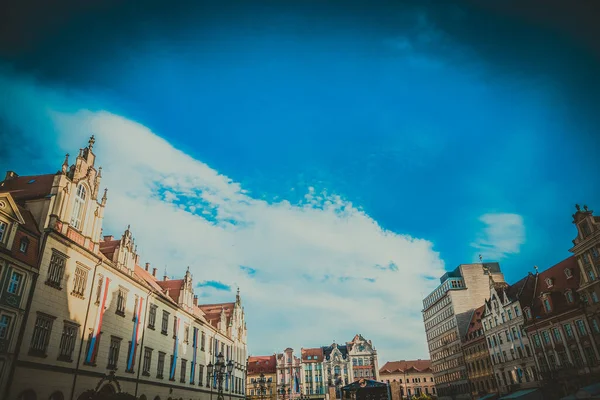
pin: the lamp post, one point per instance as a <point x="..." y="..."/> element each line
<point x="283" y="391"/>
<point x="261" y="385"/>
<point x="219" y="371"/>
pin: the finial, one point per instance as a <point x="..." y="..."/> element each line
<point x="188" y="268"/>
<point x="65" y="165"/>
<point x="104" y="195"/>
<point x="480" y="259"/>
<point x="99" y="172"/>
<point x="91" y="142"/>
<point x="577" y="207"/>
<point x="585" y="207"/>
<point x="536" y="268"/>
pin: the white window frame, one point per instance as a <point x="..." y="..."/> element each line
<point x="79" y="202"/>
<point x="19" y="287"/>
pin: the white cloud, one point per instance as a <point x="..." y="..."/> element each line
<point x="502" y="235"/>
<point x="184" y="213"/>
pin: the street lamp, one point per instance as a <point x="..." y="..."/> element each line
<point x="219" y="371"/>
<point x="283" y="391"/>
<point x="262" y="384"/>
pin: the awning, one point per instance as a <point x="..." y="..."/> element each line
<point x="490" y="396"/>
<point x="519" y="394"/>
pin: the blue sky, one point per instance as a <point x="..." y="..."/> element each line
<point x="344" y="139"/>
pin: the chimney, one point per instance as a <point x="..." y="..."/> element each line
<point x="195" y="300"/>
<point x="108" y="238"/>
<point x="165" y="278"/>
<point x="147" y="266"/>
<point x="154" y="272"/>
<point x="10" y="175"/>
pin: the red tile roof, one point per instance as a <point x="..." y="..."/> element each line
<point x="150" y="281"/>
<point x="262" y="364"/>
<point x="28" y="187"/>
<point x="312" y="355"/>
<point x="108" y="248"/>
<point x="402" y="366"/>
<point x="475" y="324"/>
<point x="173" y="288"/>
<point x="560" y="284"/>
<point x="212" y="312"/>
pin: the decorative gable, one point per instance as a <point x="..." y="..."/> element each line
<point x="9" y="209"/>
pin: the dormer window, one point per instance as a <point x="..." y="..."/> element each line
<point x="527" y="312"/>
<point x="549" y="282"/>
<point x="24" y="245"/>
<point x="78" y="207"/>
<point x="569" y="296"/>
<point x="568" y="273"/>
<point x="547" y="304"/>
<point x="585" y="228"/>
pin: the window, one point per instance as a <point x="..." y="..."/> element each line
<point x="568" y="331"/>
<point x="557" y="335"/>
<point x="56" y="270"/>
<point x="594" y="297"/>
<point x="509" y="311"/>
<point x="152" y="316"/>
<point x="547" y="305"/>
<point x="581" y="327"/>
<point x="113" y="352"/>
<point x="568" y="273"/>
<point x="585" y="228"/>
<point x="590" y="274"/>
<point x="536" y="340"/>
<point x="528" y="313"/>
<point x="549" y="282"/>
<point x="67" y="341"/>
<point x="546" y="337"/>
<point x="41" y="334"/>
<point x="595" y="326"/>
<point x="183" y="371"/>
<point x="5" y="321"/>
<point x="186" y="334"/>
<point x="78" y="207"/>
<point x="14" y="285"/>
<point x="160" y="366"/>
<point x="202" y="341"/>
<point x="24" y="245"/>
<point x="99" y="289"/>
<point x="147" y="361"/>
<point x="200" y="374"/>
<point x="81" y="274"/>
<point x="121" y="300"/>
<point x="517" y="311"/>
<point x="165" y="323"/>
<point x="569" y="296"/>
<point x="3" y="230"/>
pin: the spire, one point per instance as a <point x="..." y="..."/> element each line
<point x="238" y="300"/>
<point x="91" y="142"/>
<point x="104" y="196"/>
<point x="99" y="172"/>
<point x="65" y="165"/>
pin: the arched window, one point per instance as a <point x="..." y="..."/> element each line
<point x="78" y="207"/>
<point x="57" y="396"/>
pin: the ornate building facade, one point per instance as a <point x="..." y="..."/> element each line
<point x="477" y="358"/>
<point x="408" y="378"/>
<point x="509" y="348"/>
<point x="289" y="375"/>
<point x="19" y="243"/>
<point x="312" y="365"/>
<point x="447" y="314"/>
<point x="100" y="322"/>
<point x="262" y="367"/>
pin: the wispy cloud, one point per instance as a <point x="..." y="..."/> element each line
<point x="216" y="285"/>
<point x="323" y="261"/>
<point x="502" y="235"/>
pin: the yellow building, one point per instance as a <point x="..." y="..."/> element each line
<point x="98" y="322"/>
<point x="408" y="378"/>
<point x="262" y="378"/>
